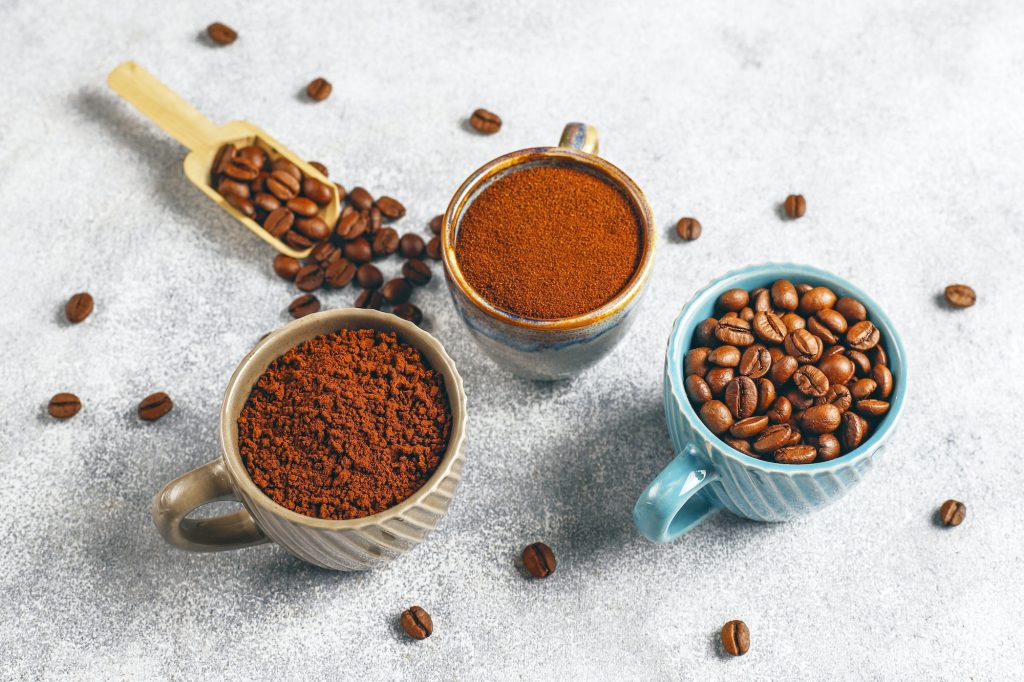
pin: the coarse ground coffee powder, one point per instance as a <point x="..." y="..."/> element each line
<point x="345" y="425"/>
<point x="547" y="242"/>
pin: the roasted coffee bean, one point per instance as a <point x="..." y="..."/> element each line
<point x="155" y="406"/>
<point x="793" y="322"/>
<point x="64" y="406"/>
<point x="860" y="362"/>
<point x="837" y="368"/>
<point x="224" y="154"/>
<point x="485" y="122"/>
<point x="796" y="437"/>
<point x="803" y="288"/>
<point x="773" y="438"/>
<point x="304" y="305"/>
<point x="769" y="327"/>
<point x="795" y="206"/>
<point x="821" y="331"/>
<point x="800" y="400"/>
<point x="863" y="388"/>
<point x="781" y="411"/>
<point x="879" y="356"/>
<point x="741" y="397"/>
<point x="828" y="447"/>
<point x="385" y="242"/>
<point x="803" y="345"/>
<point x="259" y="185"/>
<point x="282" y="185"/>
<point x="696" y="361"/>
<point x="716" y="416"/>
<point x="960" y="296"/>
<point x="871" y="407"/>
<point x="784" y="295"/>
<point x="735" y="638"/>
<point x="811" y="381"/>
<point x="241" y="168"/>
<point x="320" y="167"/>
<point x="297" y="240"/>
<point x="725" y="356"/>
<point x="839" y="396"/>
<point x="266" y="202"/>
<point x="243" y="204"/>
<point x="882" y="377"/>
<point x="309" y="277"/>
<point x="741" y="445"/>
<point x="755" y="362"/>
<point x="796" y="454"/>
<point x="228" y="188"/>
<point x="279" y="222"/>
<point x="409" y="313"/>
<point x="286" y="166"/>
<point x="369" y="299"/>
<point x="221" y="34"/>
<point x="749" y="426"/>
<point x="325" y="253"/>
<point x="734" y="331"/>
<point x="697" y="389"/>
<point x="435" y="223"/>
<point x="688" y="229"/>
<point x="374" y="220"/>
<point x="734" y="300"/>
<point x="314" y="228"/>
<point x="396" y="291"/>
<point x="340" y="273"/>
<point x="952" y="512"/>
<point x="286" y="267"/>
<point x="852" y="430"/>
<point x="319" y="89"/>
<point x="433" y="249"/>
<point x="704" y="334"/>
<point x="417" y="623"/>
<point x="818" y="419"/>
<point x="78" y="307"/>
<point x="391" y="208"/>
<point x="360" y="198"/>
<point x="851" y="309"/>
<point x="718" y="378"/>
<point x="816" y="299"/>
<point x="765" y="394"/>
<point x="368" y="276"/>
<point x="761" y="300"/>
<point x="416" y="271"/>
<point x="301" y="206"/>
<point x="359" y="251"/>
<point x="411" y="246"/>
<point x="784" y="369"/>
<point x="350" y="225"/>
<point x="316" y="191"/>
<point x="863" y="336"/>
<point x="342" y="194"/>
<point x="747" y="314"/>
<point x="539" y="560"/>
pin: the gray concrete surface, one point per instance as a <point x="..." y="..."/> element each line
<point x="901" y="124"/>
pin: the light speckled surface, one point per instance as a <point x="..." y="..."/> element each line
<point x="901" y="124"/>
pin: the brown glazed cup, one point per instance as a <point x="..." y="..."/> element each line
<point x="347" y="545"/>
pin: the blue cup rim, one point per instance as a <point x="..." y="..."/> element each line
<point x="682" y="333"/>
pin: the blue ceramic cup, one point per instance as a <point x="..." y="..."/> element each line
<point x="707" y="475"/>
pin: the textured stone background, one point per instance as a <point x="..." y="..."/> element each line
<point x="901" y="124"/>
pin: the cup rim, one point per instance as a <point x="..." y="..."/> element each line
<point x="611" y="172"/>
<point x="408" y="333"/>
<point x="678" y="344"/>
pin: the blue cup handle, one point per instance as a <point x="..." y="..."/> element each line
<point x="671" y="506"/>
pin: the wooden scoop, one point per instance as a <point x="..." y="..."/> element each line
<point x="189" y="127"/>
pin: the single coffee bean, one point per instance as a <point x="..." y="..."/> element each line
<point x="871" y="407"/>
<point x="828" y="447"/>
<point x="704" y="334"/>
<point x="725" y="356"/>
<point x="734" y="331"/>
<point x="837" y="368"/>
<point x="860" y="361"/>
<point x="863" y="336"/>
<point x="784" y="295"/>
<point x="155" y="406"/>
<point x="368" y="276"/>
<point x="369" y="299"/>
<point x="417" y="623"/>
<point x="325" y="253"/>
<point x="320" y="167"/>
<point x="815" y="327"/>
<point x="863" y="388"/>
<point x="304" y="305"/>
<point x="718" y="378"/>
<point x="852" y="431"/>
<point x="255" y="155"/>
<point x="259" y="185"/>
<point x="734" y="300"/>
<point x="851" y="309"/>
<point x="735" y="638"/>
<point x="803" y="345"/>
<point x="819" y="419"/>
<point x="286" y="166"/>
<point x="350" y="225"/>
<point x="793" y="322"/>
<point x="314" y="228"/>
<point x="952" y="512"/>
<point x="716" y="416"/>
<point x="781" y="411"/>
<point x="433" y="249"/>
<point x="741" y="397"/>
<point x="742" y="445"/>
<point x="960" y="296"/>
<point x="832" y="319"/>
<point x="795" y="206"/>
<point x="755" y="362"/>
<point x="485" y="122"/>
<point x="221" y="34"/>
<point x="297" y="240"/>
<point x="374" y="220"/>
<point x="539" y="560"/>
<point x="228" y="188"/>
<point x="64" y="406"/>
<point x="696" y="361"/>
<point x="282" y="185"/>
<point x="316" y="191"/>
<point x="769" y="327"/>
<point x="266" y="202"/>
<point x="396" y="291"/>
<point x="279" y="222"/>
<point x="224" y="154"/>
<point x="749" y="426"/>
<point x="340" y="273"/>
<point x="309" y="277"/>
<point x="78" y="307"/>
<point x="342" y="194"/>
<point x="803" y="288"/>
<point x="800" y="400"/>
<point x="416" y="271"/>
<point x="244" y="205"/>
<point x="839" y="396"/>
<point x="408" y="312"/>
<point x="286" y="267"/>
<point x="879" y="356"/>
<point x="747" y="314"/>
<point x="816" y="299"/>
<point x="883" y="378"/>
<point x="385" y="242"/>
<point x="435" y="224"/>
<point x="390" y="208"/>
<point x="411" y="246"/>
<point x="761" y="300"/>
<point x="796" y="454"/>
<point x="241" y="168"/>
<point x="319" y="89"/>
<point x="301" y="206"/>
<point x="773" y="438"/>
<point x="783" y="369"/>
<point x="688" y="229"/>
<point x="360" y="198"/>
<point x="765" y="394"/>
<point x="359" y="251"/>
<point x="697" y="389"/>
<point x="811" y="381"/>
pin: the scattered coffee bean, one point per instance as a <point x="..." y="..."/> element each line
<point x="368" y="276"/>
<point x="408" y="312"/>
<point x="435" y="224"/>
<point x="795" y="206"/>
<point x="960" y="296"/>
<point x="319" y="89"/>
<point x="484" y="121"/>
<point x="417" y="623"/>
<point x="155" y="406"/>
<point x="433" y="249"/>
<point x="297" y="240"/>
<point x="952" y="512"/>
<point x="286" y="267"/>
<point x="358" y="251"/>
<point x="325" y="253"/>
<point x="390" y="208"/>
<point x="340" y="273"/>
<point x="221" y="34"/>
<point x="64" y="406"/>
<point x="360" y="198"/>
<point x="411" y="246"/>
<point x="78" y="307"/>
<point x="385" y="242"/>
<point x="416" y="271"/>
<point x="688" y="229"/>
<point x="369" y="299"/>
<point x="396" y="291"/>
<point x="309" y="277"/>
<point x="735" y="638"/>
<point x="304" y="305"/>
<point x="539" y="560"/>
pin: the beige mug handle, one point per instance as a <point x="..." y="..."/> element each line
<point x="208" y="483"/>
<point x="579" y="136"/>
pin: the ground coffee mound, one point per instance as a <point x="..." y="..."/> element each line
<point x="345" y="425"/>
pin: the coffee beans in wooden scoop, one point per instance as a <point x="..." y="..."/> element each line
<point x="64" y="406"/>
<point x="539" y="560"/>
<point x="952" y="512"/>
<point x="417" y="623"/>
<point x="155" y="406"/>
<point x="735" y="638"/>
<point x="78" y="307"/>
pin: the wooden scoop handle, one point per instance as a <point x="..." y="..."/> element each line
<point x="154" y="99"/>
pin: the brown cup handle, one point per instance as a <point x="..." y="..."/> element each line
<point x="208" y="483"/>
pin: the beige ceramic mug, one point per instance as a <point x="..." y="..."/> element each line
<point x="351" y="544"/>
